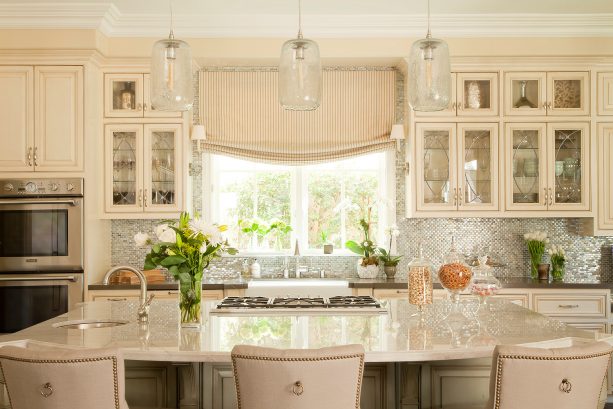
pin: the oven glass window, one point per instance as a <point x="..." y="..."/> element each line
<point x="24" y="306"/>
<point x="33" y="233"/>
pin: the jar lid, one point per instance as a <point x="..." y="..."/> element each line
<point x="453" y="256"/>
<point x="420" y="260"/>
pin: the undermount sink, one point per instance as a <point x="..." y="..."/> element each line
<point x="297" y="287"/>
<point x="89" y="324"/>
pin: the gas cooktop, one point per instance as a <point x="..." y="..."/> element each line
<point x="344" y="303"/>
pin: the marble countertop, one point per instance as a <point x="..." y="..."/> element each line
<point x="377" y="283"/>
<point x="398" y="334"/>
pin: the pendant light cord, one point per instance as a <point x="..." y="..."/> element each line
<point x="429" y="35"/>
<point x="299" y="18"/>
<point x="172" y="34"/>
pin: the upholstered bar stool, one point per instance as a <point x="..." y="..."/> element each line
<point x="62" y="378"/>
<point x="560" y="378"/>
<point x="327" y="378"/>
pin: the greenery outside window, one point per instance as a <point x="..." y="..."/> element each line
<point x="267" y="206"/>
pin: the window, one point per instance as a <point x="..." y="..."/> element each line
<point x="320" y="203"/>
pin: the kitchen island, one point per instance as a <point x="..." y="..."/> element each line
<point x="401" y="344"/>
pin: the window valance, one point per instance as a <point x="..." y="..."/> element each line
<point x="243" y="117"/>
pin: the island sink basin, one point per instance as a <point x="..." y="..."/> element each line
<point x="297" y="287"/>
<point x="88" y="324"/>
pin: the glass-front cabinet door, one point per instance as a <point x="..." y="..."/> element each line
<point x="568" y="93"/>
<point x="162" y="173"/>
<point x="526" y="170"/>
<point x="477" y="94"/>
<point x="124" y="164"/>
<point x="436" y="167"/>
<point x="525" y="93"/>
<point x="478" y="167"/>
<point x="568" y="166"/>
<point x="123" y="95"/>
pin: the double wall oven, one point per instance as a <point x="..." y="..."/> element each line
<point x="41" y="250"/>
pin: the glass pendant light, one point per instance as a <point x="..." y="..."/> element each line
<point x="429" y="73"/>
<point x="300" y="72"/>
<point x="171" y="74"/>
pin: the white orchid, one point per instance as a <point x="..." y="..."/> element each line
<point x="141" y="239"/>
<point x="393" y="230"/>
<point x="165" y="233"/>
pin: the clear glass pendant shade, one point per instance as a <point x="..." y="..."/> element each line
<point x="171" y="75"/>
<point x="300" y="75"/>
<point x="429" y="75"/>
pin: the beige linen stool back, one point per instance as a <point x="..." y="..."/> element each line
<point x="327" y="378"/>
<point x="37" y="377"/>
<point x="539" y="378"/>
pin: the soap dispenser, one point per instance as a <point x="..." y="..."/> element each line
<point x="255" y="269"/>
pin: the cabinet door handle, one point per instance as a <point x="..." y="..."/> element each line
<point x="454" y="106"/>
<point x="145" y="198"/>
<point x="117" y="299"/>
<point x="545" y="106"/>
<point x="35" y="156"/>
<point x="145" y="107"/>
<point x="549" y="105"/>
<point x="460" y="106"/>
<point x="139" y="107"/>
<point x="568" y="306"/>
<point x="546" y="196"/>
<point x="30" y="156"/>
<point x="550" y="197"/>
<point x="455" y="196"/>
<point x="459" y="196"/>
<point x="140" y="197"/>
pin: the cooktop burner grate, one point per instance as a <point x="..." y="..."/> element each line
<point x="340" y="301"/>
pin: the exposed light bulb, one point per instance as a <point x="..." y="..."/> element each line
<point x="171" y="56"/>
<point x="428" y="57"/>
<point x="299" y="60"/>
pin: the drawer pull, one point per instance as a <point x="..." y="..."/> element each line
<point x="402" y="291"/>
<point x="568" y="305"/>
<point x="117" y="299"/>
<point x="173" y="292"/>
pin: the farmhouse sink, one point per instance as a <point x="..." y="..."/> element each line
<point x="297" y="287"/>
<point x="88" y="324"/>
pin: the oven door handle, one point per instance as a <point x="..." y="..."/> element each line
<point x="48" y="278"/>
<point x="44" y="202"/>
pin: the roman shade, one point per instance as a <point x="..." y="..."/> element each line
<point x="243" y="117"/>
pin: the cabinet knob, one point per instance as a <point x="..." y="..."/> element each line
<point x="30" y="156"/>
<point x="145" y="107"/>
<point x="455" y="196"/>
<point x="550" y="196"/>
<point x="35" y="156"/>
<point x="546" y="196"/>
<point x="140" y="197"/>
<point x="459" y="196"/>
<point x="145" y="198"/>
<point x="139" y="107"/>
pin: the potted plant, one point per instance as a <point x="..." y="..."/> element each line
<point x="326" y="243"/>
<point x="278" y="230"/>
<point x="368" y="265"/>
<point x="186" y="248"/>
<point x="390" y="262"/>
<point x="254" y="229"/>
<point x="558" y="259"/>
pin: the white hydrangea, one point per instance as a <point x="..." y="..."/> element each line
<point x="141" y="239"/>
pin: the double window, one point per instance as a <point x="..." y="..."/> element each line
<point x="267" y="207"/>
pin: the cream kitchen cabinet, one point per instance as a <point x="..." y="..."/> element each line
<point x="604" y="219"/>
<point x="41" y="111"/>
<point x="605" y="93"/>
<point x="547" y="93"/>
<point x="143" y="169"/>
<point x="456" y="167"/>
<point x="127" y="96"/>
<point x="472" y="94"/>
<point x="125" y="295"/>
<point x="547" y="166"/>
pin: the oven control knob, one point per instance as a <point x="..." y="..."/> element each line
<point x="70" y="187"/>
<point x="54" y="187"/>
<point x="8" y="187"/>
<point x="30" y="187"/>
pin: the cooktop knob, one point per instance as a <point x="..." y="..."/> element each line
<point x="70" y="187"/>
<point x="31" y="187"/>
<point x="8" y="187"/>
<point x="54" y="187"/>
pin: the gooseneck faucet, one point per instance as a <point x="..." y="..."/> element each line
<point x="143" y="310"/>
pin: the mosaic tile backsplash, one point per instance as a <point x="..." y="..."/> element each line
<point x="503" y="238"/>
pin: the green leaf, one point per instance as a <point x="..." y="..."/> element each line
<point x="174" y="271"/>
<point x="173" y="260"/>
<point x="149" y="264"/>
<point x="355" y="247"/>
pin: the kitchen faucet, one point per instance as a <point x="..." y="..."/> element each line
<point x="143" y="310"/>
<point x="299" y="269"/>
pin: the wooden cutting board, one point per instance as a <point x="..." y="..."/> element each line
<point x="128" y="277"/>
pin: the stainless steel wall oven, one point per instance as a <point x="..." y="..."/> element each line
<point x="41" y="250"/>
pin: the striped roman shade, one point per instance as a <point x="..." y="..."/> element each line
<point x="243" y="117"/>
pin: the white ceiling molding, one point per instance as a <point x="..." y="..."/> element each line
<point x="107" y="18"/>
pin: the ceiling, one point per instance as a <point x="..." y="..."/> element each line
<point x="322" y="18"/>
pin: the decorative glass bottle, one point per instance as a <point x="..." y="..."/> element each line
<point x="420" y="280"/>
<point x="523" y="101"/>
<point x="484" y="284"/>
<point x="454" y="274"/>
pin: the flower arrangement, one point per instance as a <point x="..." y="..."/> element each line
<point x="536" y="242"/>
<point x="185" y="248"/>
<point x="366" y="248"/>
<point x="386" y="255"/>
<point x="558" y="259"/>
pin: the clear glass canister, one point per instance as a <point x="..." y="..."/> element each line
<point x="484" y="284"/>
<point x="454" y="274"/>
<point x="420" y="280"/>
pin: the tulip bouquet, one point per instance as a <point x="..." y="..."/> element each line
<point x="536" y="242"/>
<point x="186" y="248"/>
<point x="558" y="259"/>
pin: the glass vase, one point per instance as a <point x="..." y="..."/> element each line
<point x="535" y="260"/>
<point x="190" y="298"/>
<point x="557" y="271"/>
